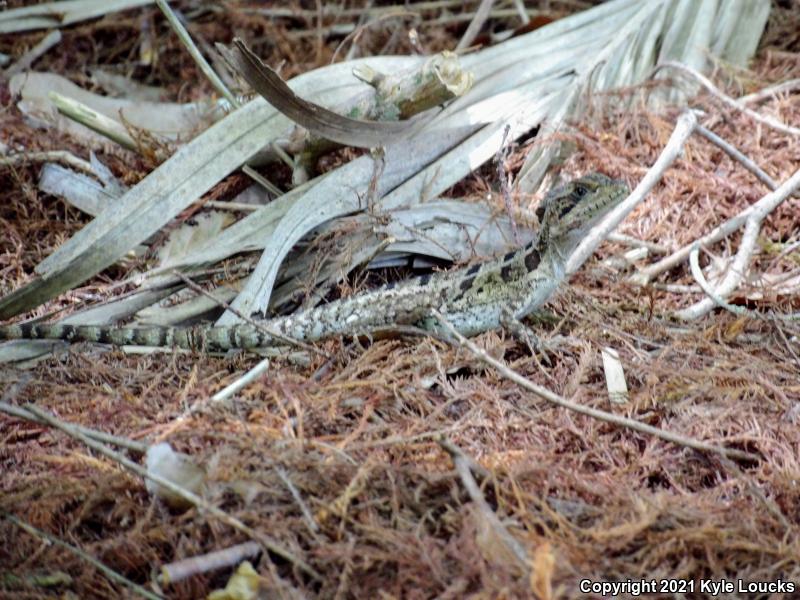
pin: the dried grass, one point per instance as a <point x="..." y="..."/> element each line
<point x="357" y="435"/>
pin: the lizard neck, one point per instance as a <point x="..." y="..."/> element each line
<point x="554" y="251"/>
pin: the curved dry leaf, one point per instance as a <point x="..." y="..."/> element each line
<point x="317" y="119"/>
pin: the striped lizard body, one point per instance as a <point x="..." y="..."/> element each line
<point x="474" y="298"/>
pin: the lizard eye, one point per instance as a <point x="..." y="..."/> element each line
<point x="580" y="191"/>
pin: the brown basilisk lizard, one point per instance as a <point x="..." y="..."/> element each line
<point x="473" y="299"/>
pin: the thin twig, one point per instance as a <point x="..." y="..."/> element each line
<point x="26" y="60"/>
<point x="241" y="382"/>
<point x="734" y="276"/>
<point x="100" y="436"/>
<point x="746" y="248"/>
<point x="307" y="516"/>
<point x="621" y="238"/>
<point x="601" y="415"/>
<point x="475" y="25"/>
<point x="191" y="497"/>
<point x="713" y="90"/>
<point x="108" y="572"/>
<point x="94" y="120"/>
<point x="282" y="154"/>
<point x="463" y="465"/>
<point x="186" y="39"/>
<point x="766" y="204"/>
<point x="735" y="154"/>
<point x="673" y="149"/>
<point x="14" y="390"/>
<point x="205" y="563"/>
<point x="697" y="273"/>
<point x="62" y="156"/>
<point x="232" y="206"/>
<point x="262" y="181"/>
<point x="523" y="13"/>
<point x="505" y="183"/>
<point x="473" y="464"/>
<point x="222" y="395"/>
<point x="360" y="29"/>
<point x="342" y="12"/>
<point x="772" y="91"/>
<point x="740" y="311"/>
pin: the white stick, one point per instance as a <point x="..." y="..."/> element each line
<point x="743" y="256"/>
<point x="595" y="413"/>
<point x="683" y="129"/>
<point x="706" y="83"/>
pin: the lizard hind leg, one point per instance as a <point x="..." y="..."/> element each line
<point x="526" y="335"/>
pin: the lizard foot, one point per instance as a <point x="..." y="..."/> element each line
<point x="524" y="334"/>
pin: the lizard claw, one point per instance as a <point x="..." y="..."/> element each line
<point x="525" y="334"/>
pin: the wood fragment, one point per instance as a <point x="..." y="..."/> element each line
<point x="206" y="563"/>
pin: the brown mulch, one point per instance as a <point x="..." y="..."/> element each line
<point x="356" y="434"/>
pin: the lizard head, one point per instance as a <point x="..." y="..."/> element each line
<point x="569" y="212"/>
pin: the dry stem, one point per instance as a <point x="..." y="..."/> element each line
<point x="602" y="415"/>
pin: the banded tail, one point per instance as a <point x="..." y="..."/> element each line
<point x="200" y="337"/>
